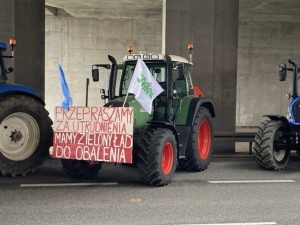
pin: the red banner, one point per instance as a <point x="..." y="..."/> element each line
<point x="93" y="133"/>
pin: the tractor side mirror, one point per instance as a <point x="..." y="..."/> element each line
<point x="282" y="72"/>
<point x="9" y="70"/>
<point x="95" y="75"/>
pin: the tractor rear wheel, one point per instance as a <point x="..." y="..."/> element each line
<point x="156" y="159"/>
<point x="26" y="134"/>
<point x="268" y="151"/>
<point x="199" y="146"/>
<point x="80" y="169"/>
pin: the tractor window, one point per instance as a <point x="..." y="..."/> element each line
<point x="1" y="71"/>
<point x="296" y="110"/>
<point x="158" y="71"/>
<point x="119" y="74"/>
<point x="182" y="79"/>
<point x="188" y="73"/>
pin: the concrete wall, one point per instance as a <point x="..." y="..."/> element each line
<point x="78" y="43"/>
<point x="265" y="41"/>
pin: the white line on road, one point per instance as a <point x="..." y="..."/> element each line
<point x="69" y="184"/>
<point x="257" y="223"/>
<point x="249" y="181"/>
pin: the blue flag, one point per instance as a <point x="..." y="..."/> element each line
<point x="65" y="89"/>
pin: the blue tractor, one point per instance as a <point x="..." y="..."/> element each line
<point x="277" y="136"/>
<point x="25" y="125"/>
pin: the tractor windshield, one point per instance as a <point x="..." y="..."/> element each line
<point x="158" y="71"/>
<point x="1" y="71"/>
<point x="3" y="76"/>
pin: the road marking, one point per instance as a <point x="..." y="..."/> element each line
<point x="249" y="181"/>
<point x="135" y="200"/>
<point x="255" y="223"/>
<point x="69" y="184"/>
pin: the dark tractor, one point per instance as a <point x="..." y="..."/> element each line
<point x="25" y="126"/>
<point x="277" y="136"/>
<point x="178" y="132"/>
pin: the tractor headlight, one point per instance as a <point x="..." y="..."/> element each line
<point x="130" y="57"/>
<point x="155" y="56"/>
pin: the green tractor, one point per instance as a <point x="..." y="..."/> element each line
<point x="178" y="132"/>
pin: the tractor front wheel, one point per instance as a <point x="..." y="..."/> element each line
<point x="199" y="146"/>
<point x="156" y="157"/>
<point x="270" y="145"/>
<point x="26" y="134"/>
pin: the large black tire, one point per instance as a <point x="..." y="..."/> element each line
<point x="80" y="169"/>
<point x="156" y="157"/>
<point x="267" y="153"/>
<point x="26" y="134"/>
<point x="199" y="146"/>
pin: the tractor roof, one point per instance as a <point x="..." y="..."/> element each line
<point x="150" y="56"/>
<point x="2" y="46"/>
<point x="176" y="58"/>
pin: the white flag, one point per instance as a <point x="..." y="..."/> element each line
<point x="144" y="86"/>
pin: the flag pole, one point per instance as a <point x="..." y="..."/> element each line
<point x="125" y="99"/>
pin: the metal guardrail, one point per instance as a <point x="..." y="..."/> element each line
<point x="235" y="137"/>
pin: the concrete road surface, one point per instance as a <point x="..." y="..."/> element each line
<point x="232" y="190"/>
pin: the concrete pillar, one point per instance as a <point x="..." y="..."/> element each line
<point x="29" y="17"/>
<point x="25" y="20"/>
<point x="212" y="26"/>
<point x="7" y="30"/>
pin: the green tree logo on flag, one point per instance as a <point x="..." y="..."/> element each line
<point x="144" y="86"/>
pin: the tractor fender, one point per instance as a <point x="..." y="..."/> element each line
<point x="167" y="125"/>
<point x="6" y="89"/>
<point x="195" y="104"/>
<point x="279" y="118"/>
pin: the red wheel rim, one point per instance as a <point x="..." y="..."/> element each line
<point x="167" y="158"/>
<point x="204" y="139"/>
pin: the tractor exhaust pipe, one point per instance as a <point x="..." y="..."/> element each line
<point x="295" y="78"/>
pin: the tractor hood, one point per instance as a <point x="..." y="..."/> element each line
<point x="141" y="117"/>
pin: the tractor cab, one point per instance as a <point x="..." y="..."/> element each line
<point x="3" y="71"/>
<point x="3" y="77"/>
<point x="172" y="74"/>
<point x="294" y="106"/>
<point x="170" y="71"/>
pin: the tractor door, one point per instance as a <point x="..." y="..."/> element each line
<point x="182" y="80"/>
<point x="183" y="86"/>
<point x="3" y="76"/>
<point x="296" y="109"/>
